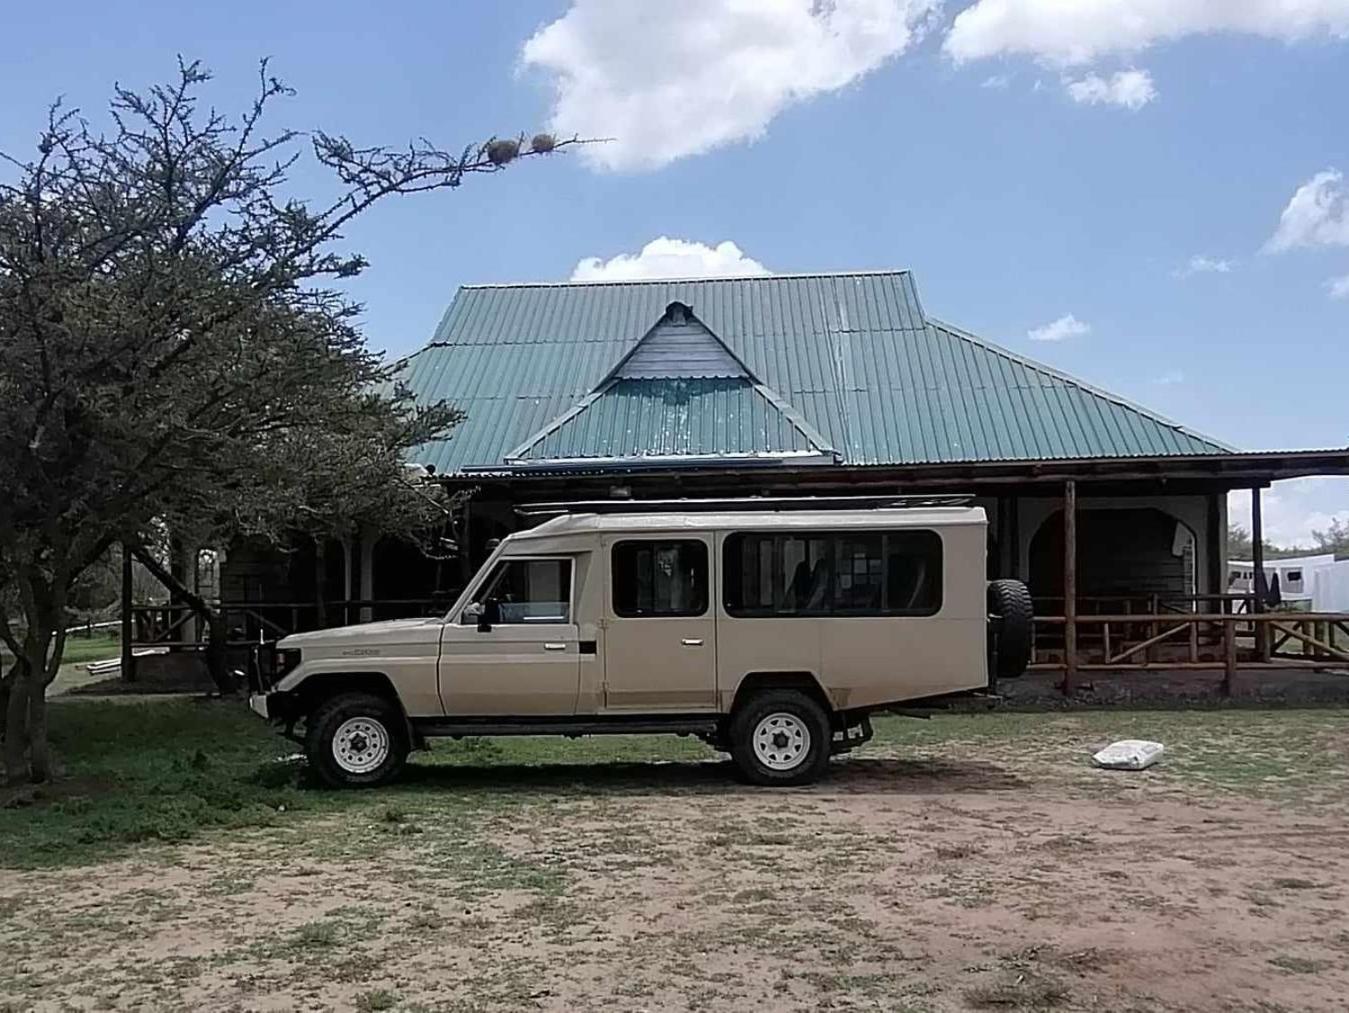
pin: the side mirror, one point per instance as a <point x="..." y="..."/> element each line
<point x="475" y="613"/>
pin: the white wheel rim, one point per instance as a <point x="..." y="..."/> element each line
<point x="781" y="741"/>
<point x="360" y="745"/>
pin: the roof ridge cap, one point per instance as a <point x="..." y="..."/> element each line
<point x="774" y="276"/>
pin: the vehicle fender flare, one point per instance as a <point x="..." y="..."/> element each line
<point x="804" y="680"/>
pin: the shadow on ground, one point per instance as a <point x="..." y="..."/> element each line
<point x="856" y="774"/>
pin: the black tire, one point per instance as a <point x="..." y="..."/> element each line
<point x="805" y="719"/>
<point x="1010" y="602"/>
<point x="369" y="713"/>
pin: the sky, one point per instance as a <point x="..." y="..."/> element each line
<point x="1152" y="195"/>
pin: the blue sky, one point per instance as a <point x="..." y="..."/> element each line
<point x="1030" y="160"/>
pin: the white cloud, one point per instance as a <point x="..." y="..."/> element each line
<point x="1132" y="89"/>
<point x="1067" y="32"/>
<point x="1171" y="377"/>
<point x="666" y="80"/>
<point x="671" y="258"/>
<point x="997" y="81"/>
<point x="1316" y="215"/>
<point x="1338" y="287"/>
<point x="1293" y="509"/>
<point x="1201" y="264"/>
<point x="1065" y="327"/>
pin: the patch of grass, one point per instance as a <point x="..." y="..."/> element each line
<point x="165" y="771"/>
<point x="144" y="772"/>
<point x="953" y="852"/>
<point x="379" y="999"/>
<point x="1299" y="965"/>
<point x="99" y="647"/>
<point x="1293" y="883"/>
<point x="1023" y="991"/>
<point x="1246" y="750"/>
<point x="316" y="936"/>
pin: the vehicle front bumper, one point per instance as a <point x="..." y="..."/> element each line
<point x="257" y="703"/>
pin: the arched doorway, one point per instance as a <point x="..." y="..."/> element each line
<point x="1125" y="553"/>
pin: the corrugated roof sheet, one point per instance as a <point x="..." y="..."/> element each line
<point x="646" y="418"/>
<point x="853" y="354"/>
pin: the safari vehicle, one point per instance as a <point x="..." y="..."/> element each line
<point x="772" y="634"/>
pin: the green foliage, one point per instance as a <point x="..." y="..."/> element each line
<point x="1334" y="539"/>
<point x="175" y="349"/>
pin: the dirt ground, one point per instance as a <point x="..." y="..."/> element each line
<point x="963" y="875"/>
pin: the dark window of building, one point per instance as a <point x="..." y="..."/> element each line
<point x="862" y="573"/>
<point x="660" y="578"/>
<point x="1295" y="575"/>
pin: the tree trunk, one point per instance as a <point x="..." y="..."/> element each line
<point x="39" y="754"/>
<point x="16" y="727"/>
<point x="217" y="642"/>
<point x="216" y="659"/>
<point x="6" y="684"/>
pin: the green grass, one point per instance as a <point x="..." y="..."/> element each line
<point x="80" y="650"/>
<point x="167" y="771"/>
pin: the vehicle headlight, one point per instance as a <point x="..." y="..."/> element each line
<point x="287" y="661"/>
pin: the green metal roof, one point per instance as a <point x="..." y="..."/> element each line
<point x="850" y="360"/>
<point x="656" y="420"/>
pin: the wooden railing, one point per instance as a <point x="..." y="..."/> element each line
<point x="175" y="626"/>
<point x="1182" y="641"/>
<point x="1151" y="604"/>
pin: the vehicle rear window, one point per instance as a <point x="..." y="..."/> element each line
<point x="660" y="578"/>
<point x="834" y="573"/>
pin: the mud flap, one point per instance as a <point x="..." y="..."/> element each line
<point x="851" y="737"/>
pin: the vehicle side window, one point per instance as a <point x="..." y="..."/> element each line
<point x="846" y="573"/>
<point x="529" y="591"/>
<point x="665" y="578"/>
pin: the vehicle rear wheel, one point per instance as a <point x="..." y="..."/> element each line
<point x="780" y="737"/>
<point x="1010" y="601"/>
<point x="356" y="740"/>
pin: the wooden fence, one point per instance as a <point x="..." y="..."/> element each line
<point x="1181" y="640"/>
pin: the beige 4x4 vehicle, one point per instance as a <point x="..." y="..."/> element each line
<point x="771" y="635"/>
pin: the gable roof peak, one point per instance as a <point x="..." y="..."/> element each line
<point x="679" y="346"/>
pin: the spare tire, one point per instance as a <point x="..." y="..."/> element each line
<point x="1010" y="612"/>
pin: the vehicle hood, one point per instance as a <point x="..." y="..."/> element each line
<point x="364" y="632"/>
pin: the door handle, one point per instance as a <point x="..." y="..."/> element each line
<point x="554" y="647"/>
<point x="693" y="641"/>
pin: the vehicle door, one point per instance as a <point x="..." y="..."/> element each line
<point x="660" y="643"/>
<point x="515" y="650"/>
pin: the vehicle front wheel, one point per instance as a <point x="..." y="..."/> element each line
<point x="356" y="740"/>
<point x="780" y="737"/>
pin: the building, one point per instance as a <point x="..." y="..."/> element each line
<point x="819" y="384"/>
<point x="1295" y="576"/>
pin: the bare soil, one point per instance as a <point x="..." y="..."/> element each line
<point x="999" y="875"/>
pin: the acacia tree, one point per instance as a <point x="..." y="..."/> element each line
<point x="169" y="330"/>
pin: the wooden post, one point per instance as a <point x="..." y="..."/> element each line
<point x="1259" y="584"/>
<point x="1229" y="654"/>
<point x="1216" y="554"/>
<point x="1069" y="586"/>
<point x="465" y="542"/>
<point x="128" y="659"/>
